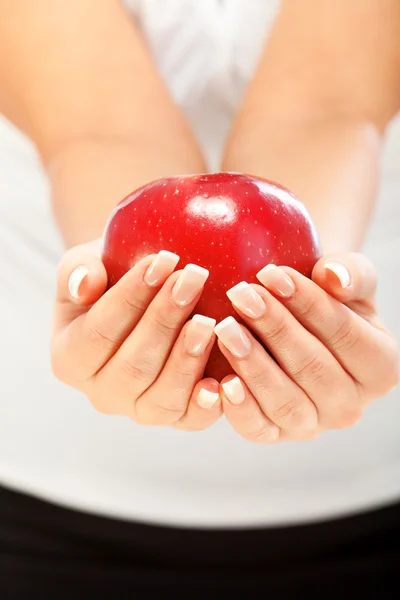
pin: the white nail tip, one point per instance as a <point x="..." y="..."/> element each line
<point x="202" y="320"/>
<point x="75" y="280"/>
<point x="207" y="399"/>
<point x="266" y="269"/>
<point x="234" y="390"/>
<point x="341" y="272"/>
<point x="225" y="323"/>
<point x="204" y="273"/>
<point x="169" y="255"/>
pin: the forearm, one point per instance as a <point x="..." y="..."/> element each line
<point x="89" y="177"/>
<point x="78" y="78"/>
<point x="325" y="89"/>
<point x="332" y="165"/>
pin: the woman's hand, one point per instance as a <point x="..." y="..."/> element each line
<point x="129" y="349"/>
<point x="332" y="354"/>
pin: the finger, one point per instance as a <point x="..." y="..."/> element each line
<point x="299" y="353"/>
<point x="349" y="277"/>
<point x="362" y="350"/>
<point x="282" y="401"/>
<point x="141" y="357"/>
<point x="204" y="408"/>
<point x="92" y="338"/>
<point x="81" y="280"/>
<point x="244" y="412"/>
<point x="167" y="400"/>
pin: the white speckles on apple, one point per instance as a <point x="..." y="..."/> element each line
<point x="176" y="192"/>
<point x="275" y="211"/>
<point x="220" y="243"/>
<point x="212" y="243"/>
<point x="165" y="195"/>
<point x="298" y="230"/>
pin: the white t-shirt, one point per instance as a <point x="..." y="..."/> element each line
<point x="52" y="442"/>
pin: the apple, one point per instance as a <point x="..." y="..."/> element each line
<point x="232" y="224"/>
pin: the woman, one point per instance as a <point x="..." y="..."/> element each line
<point x="110" y="95"/>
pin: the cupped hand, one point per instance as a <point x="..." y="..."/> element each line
<point x="129" y="349"/>
<point x="329" y="353"/>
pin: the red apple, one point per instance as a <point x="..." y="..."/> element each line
<point x="230" y="223"/>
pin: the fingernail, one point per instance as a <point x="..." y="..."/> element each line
<point x="189" y="284"/>
<point x="247" y="300"/>
<point x="233" y="337"/>
<point x="234" y="391"/>
<point x="75" y="280"/>
<point x="162" y="266"/>
<point x="207" y="399"/>
<point x="198" y="334"/>
<point x="341" y="272"/>
<point x="276" y="280"/>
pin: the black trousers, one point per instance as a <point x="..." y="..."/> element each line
<point x="49" y="552"/>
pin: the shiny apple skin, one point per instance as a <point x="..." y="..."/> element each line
<point x="232" y="224"/>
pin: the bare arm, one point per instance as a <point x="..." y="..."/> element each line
<point x="327" y="85"/>
<point x="77" y="78"/>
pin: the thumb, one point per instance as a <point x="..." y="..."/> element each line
<point x="349" y="277"/>
<point x="81" y="281"/>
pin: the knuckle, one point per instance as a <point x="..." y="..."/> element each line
<point x="267" y="434"/>
<point x="99" y="339"/>
<point x="308" y="308"/>
<point x="278" y="331"/>
<point x="287" y="411"/>
<point x="137" y="370"/>
<point x="349" y="416"/>
<point x="133" y="304"/>
<point x="165" y="324"/>
<point x="311" y="368"/>
<point x="293" y="414"/>
<point x="157" y="414"/>
<point x="345" y="337"/>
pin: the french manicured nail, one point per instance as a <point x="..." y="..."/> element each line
<point x="340" y="270"/>
<point x="207" y="399"/>
<point x="189" y="284"/>
<point x="234" y="391"/>
<point x="233" y="337"/>
<point x="247" y="300"/>
<point x="276" y="280"/>
<point x="198" y="334"/>
<point x="75" y="280"/>
<point x="161" y="267"/>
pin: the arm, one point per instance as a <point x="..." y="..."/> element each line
<point x="77" y="78"/>
<point x="313" y="118"/>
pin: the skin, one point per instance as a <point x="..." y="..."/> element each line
<point x="314" y="120"/>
